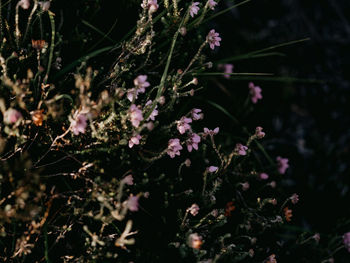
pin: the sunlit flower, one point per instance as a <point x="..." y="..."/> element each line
<point x="213" y="39"/>
<point x="212" y="169"/>
<point x="140" y="85"/>
<point x="135" y="115"/>
<point x="210" y="132"/>
<point x="282" y="164"/>
<point x="259" y="133"/>
<point x="129" y="180"/>
<point x="133" y="203"/>
<point x="12" y="116"/>
<point x="245" y="186"/>
<point x="255" y="92"/>
<point x="263" y="176"/>
<point x="212" y="4"/>
<point x="174" y="147"/>
<point x="241" y="149"/>
<point x="25" y="4"/>
<point x="193" y="210"/>
<point x="192" y="142"/>
<point x="271" y="259"/>
<point x="134" y="140"/>
<point x="183" y="125"/>
<point x="228" y="68"/>
<point x="346" y="240"/>
<point x="294" y="198"/>
<point x="152" y="5"/>
<point x="196" y="114"/>
<point x="195" y="241"/>
<point x="194" y="9"/>
<point x="154" y="112"/>
<point x="79" y="124"/>
<point x="45" y="5"/>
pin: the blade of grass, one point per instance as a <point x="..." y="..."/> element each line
<point x="271" y="79"/>
<point x="221" y="12"/>
<point x="46" y="244"/>
<point x="254" y="53"/>
<point x="104" y="35"/>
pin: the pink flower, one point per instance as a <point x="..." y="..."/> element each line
<point x="192" y="142"/>
<point x="133" y="203"/>
<point x="255" y="92"/>
<point x="174" y="147"/>
<point x="24" y="4"/>
<point x="79" y="124"/>
<point x="196" y="114"/>
<point x="194" y="9"/>
<point x="195" y="241"/>
<point x="263" y="176"/>
<point x="259" y="133"/>
<point x="135" y="140"/>
<point x="129" y="180"/>
<point x="245" y="186"/>
<point x="294" y="198"/>
<point x="152" y="5"/>
<point x="228" y="68"/>
<point x="11" y="116"/>
<point x="135" y="115"/>
<point x="212" y="169"/>
<point x="193" y="210"/>
<point x="45" y="5"/>
<point x="154" y="112"/>
<point x="140" y="85"/>
<point x="188" y="162"/>
<point x="212" y="4"/>
<point x="346" y="240"/>
<point x="241" y="149"/>
<point x="183" y="125"/>
<point x="282" y="164"/>
<point x="210" y="132"/>
<point x="213" y="39"/>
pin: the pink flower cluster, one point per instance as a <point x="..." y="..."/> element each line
<point x="11" y="116"/>
<point x="346" y="240"/>
<point x="135" y="115"/>
<point x="196" y="114"/>
<point x="210" y="132"/>
<point x="134" y="140"/>
<point x="133" y="203"/>
<point x="255" y="92"/>
<point x="212" y="4"/>
<point x="194" y="9"/>
<point x="152" y="5"/>
<point x="183" y="125"/>
<point x="174" y="147"/>
<point x="193" y="210"/>
<point x="259" y="133"/>
<point x="282" y="164"/>
<point x="228" y="69"/>
<point x="212" y="169"/>
<point x="154" y="112"/>
<point x="192" y="142"/>
<point x="140" y="84"/>
<point x="79" y="123"/>
<point x="241" y="149"/>
<point x="213" y="39"/>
